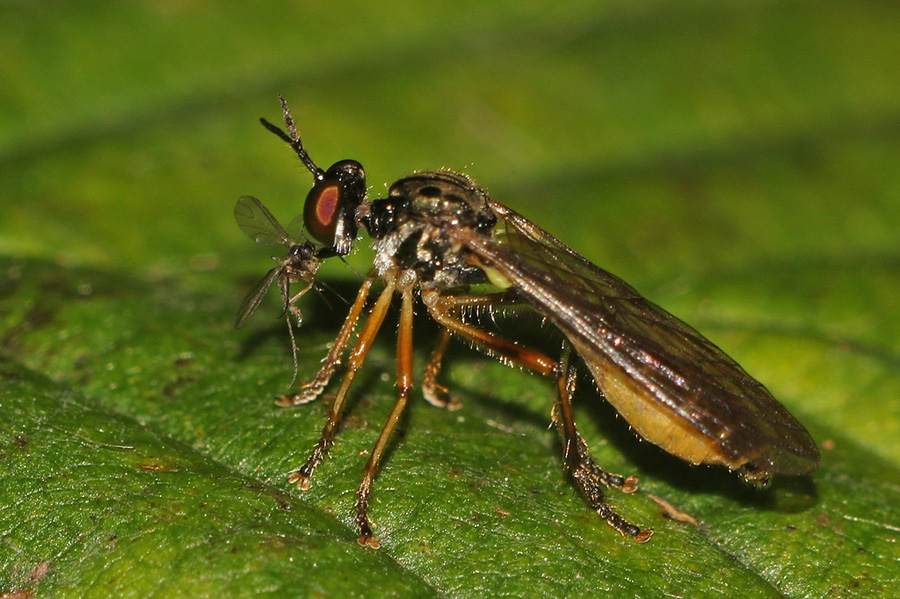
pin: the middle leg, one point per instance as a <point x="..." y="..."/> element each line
<point x="404" y="386"/>
<point x="302" y="475"/>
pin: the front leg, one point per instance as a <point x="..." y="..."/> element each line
<point x="302" y="475"/>
<point x="312" y="389"/>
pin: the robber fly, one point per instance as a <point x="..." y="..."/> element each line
<point x="438" y="234"/>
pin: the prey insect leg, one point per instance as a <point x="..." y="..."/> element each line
<point x="292" y="309"/>
<point x="404" y="386"/>
<point x="302" y="475"/>
<point x="578" y="461"/>
<point x="312" y="389"/>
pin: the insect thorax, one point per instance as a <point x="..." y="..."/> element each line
<point x="423" y="224"/>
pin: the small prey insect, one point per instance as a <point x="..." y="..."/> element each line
<point x="299" y="264"/>
<point x="438" y="234"/>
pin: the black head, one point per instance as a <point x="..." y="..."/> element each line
<point x="330" y="210"/>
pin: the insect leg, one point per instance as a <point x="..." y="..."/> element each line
<point x="435" y="393"/>
<point x="484" y="300"/>
<point x="312" y="389"/>
<point x="291" y="304"/>
<point x="292" y="309"/>
<point x="578" y="461"/>
<point x="302" y="475"/>
<point x="404" y="385"/>
<point x="444" y="310"/>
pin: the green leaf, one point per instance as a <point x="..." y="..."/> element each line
<point x="737" y="163"/>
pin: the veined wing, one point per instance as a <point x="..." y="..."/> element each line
<point x="675" y="387"/>
<point x="255" y="297"/>
<point x="257" y="222"/>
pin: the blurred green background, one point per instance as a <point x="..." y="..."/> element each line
<point x="736" y="162"/>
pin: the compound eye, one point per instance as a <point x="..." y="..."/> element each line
<point x="324" y="209"/>
<point x="331" y="206"/>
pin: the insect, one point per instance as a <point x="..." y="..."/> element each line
<point x="437" y="234"/>
<point x="300" y="264"/>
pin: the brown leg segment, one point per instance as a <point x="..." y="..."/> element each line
<point x="435" y="393"/>
<point x="404" y="386"/>
<point x="444" y="310"/>
<point x="302" y="475"/>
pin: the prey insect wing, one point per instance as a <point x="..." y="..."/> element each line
<point x="255" y="297"/>
<point x="675" y="387"/>
<point x="300" y="263"/>
<point x="257" y="222"/>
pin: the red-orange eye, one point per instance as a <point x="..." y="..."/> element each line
<point x="323" y="209"/>
<point x="330" y="210"/>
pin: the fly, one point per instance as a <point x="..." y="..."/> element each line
<point x="300" y="264"/>
<point x="438" y="234"/>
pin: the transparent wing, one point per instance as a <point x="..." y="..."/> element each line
<point x="665" y="361"/>
<point x="295" y="228"/>
<point x="255" y="297"/>
<point x="257" y="222"/>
